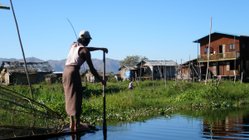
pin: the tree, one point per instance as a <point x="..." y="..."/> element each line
<point x="132" y="60"/>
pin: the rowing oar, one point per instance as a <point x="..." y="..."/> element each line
<point x="104" y="101"/>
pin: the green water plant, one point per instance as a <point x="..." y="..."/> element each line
<point x="147" y="99"/>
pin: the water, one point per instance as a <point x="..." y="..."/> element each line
<point x="178" y="127"/>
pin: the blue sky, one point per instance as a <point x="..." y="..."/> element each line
<point x="156" y="29"/>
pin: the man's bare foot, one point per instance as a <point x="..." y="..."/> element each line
<point x="72" y="124"/>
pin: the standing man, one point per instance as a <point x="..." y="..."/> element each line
<point x="78" y="54"/>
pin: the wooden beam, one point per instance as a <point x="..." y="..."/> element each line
<point x="4" y="7"/>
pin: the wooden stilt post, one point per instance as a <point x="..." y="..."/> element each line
<point x="235" y="61"/>
<point x="208" y="52"/>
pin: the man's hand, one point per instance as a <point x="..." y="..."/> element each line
<point x="103" y="82"/>
<point x="105" y="50"/>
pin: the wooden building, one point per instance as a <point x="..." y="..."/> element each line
<point x="149" y="70"/>
<point x="87" y="76"/>
<point x="188" y="70"/>
<point x="156" y="69"/>
<point x="13" y="72"/>
<point x="127" y="72"/>
<point x="227" y="57"/>
<point x="55" y="77"/>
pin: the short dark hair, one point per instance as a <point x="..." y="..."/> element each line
<point x="83" y="40"/>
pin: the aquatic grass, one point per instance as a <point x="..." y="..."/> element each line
<point x="148" y="98"/>
<point x="226" y="94"/>
<point x="127" y="104"/>
<point x="17" y="110"/>
<point x="153" y="98"/>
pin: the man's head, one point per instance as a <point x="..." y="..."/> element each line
<point x="84" y="37"/>
<point x="85" y="34"/>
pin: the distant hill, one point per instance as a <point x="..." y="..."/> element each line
<point x="29" y="59"/>
<point x="58" y="65"/>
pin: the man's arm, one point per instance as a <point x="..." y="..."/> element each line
<point x="96" y="49"/>
<point x="85" y="54"/>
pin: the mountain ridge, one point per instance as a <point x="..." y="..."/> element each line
<point x="112" y="65"/>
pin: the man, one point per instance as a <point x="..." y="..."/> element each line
<point x="78" y="54"/>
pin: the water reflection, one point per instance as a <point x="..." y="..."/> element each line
<point x="187" y="126"/>
<point x="231" y="127"/>
<point x="209" y="125"/>
<point x="76" y="136"/>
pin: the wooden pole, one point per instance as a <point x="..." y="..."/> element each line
<point x="208" y="52"/>
<point x="20" y="41"/>
<point x="164" y="72"/>
<point x="235" y="61"/>
<point x="140" y="73"/>
<point x="199" y="63"/>
<point x="104" y="101"/>
<point x="241" y="78"/>
<point x="189" y="73"/>
<point x="4" y="7"/>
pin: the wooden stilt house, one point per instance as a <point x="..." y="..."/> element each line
<point x="156" y="69"/>
<point x="228" y="56"/>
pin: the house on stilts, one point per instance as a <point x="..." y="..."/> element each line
<point x="228" y="57"/>
<point x="149" y="70"/>
<point x="156" y="69"/>
<point x="188" y="71"/>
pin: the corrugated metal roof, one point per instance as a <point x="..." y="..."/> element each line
<point x="213" y="34"/>
<point x="128" y="67"/>
<point x="160" y="62"/>
<point x="17" y="66"/>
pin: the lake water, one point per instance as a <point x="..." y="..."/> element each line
<point x="233" y="125"/>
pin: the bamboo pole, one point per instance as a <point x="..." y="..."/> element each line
<point x="208" y="52"/>
<point x="23" y="54"/>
